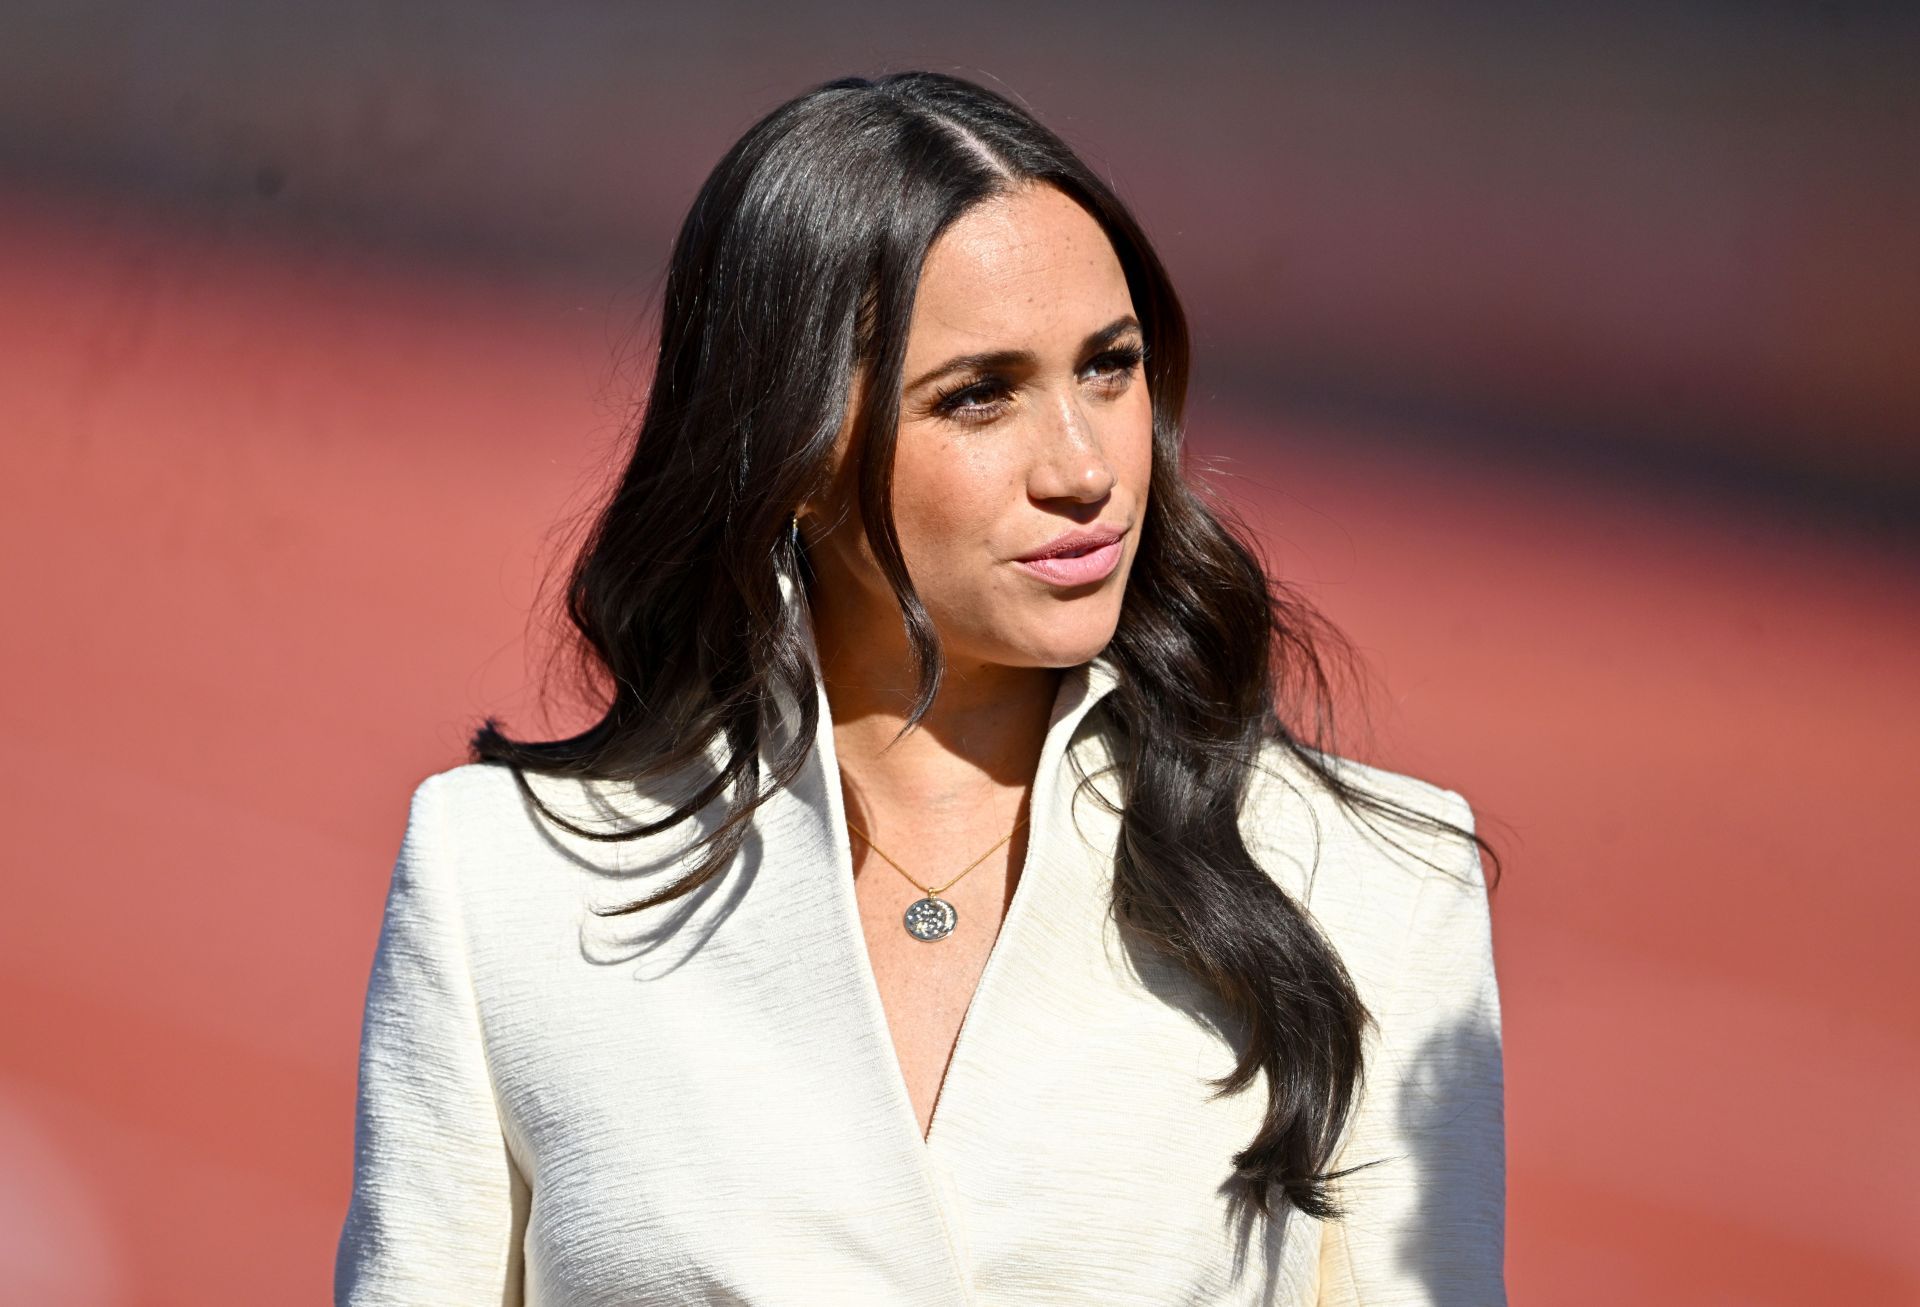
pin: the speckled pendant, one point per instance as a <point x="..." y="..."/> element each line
<point x="931" y="918"/>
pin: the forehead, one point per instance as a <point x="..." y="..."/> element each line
<point x="1017" y="266"/>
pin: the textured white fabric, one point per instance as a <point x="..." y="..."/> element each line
<point x="701" y="1104"/>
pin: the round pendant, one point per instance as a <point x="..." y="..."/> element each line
<point x="931" y="919"/>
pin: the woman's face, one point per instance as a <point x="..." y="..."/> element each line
<point x="1025" y="431"/>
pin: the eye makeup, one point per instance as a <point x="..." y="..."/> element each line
<point x="982" y="397"/>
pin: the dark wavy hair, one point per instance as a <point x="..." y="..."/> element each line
<point x="794" y="272"/>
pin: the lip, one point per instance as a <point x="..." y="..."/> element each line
<point x="1076" y="558"/>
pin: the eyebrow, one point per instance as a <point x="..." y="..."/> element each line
<point x="1014" y="358"/>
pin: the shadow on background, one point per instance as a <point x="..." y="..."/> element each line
<point x="1564" y="357"/>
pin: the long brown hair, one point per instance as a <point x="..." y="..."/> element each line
<point x="795" y="271"/>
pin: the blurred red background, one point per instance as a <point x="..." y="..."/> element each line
<point x="1568" y="360"/>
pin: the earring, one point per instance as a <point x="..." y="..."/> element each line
<point x="793" y="531"/>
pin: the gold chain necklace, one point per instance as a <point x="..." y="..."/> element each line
<point x="932" y="917"/>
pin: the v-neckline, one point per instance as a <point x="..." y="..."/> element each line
<point x="1079" y="687"/>
<point x="969" y="1017"/>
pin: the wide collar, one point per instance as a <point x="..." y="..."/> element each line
<point x="782" y="934"/>
<point x="1044" y="968"/>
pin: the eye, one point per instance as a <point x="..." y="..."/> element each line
<point x="1115" y="367"/>
<point x="984" y="398"/>
<point x="972" y="401"/>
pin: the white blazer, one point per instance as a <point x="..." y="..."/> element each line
<point x="701" y="1104"/>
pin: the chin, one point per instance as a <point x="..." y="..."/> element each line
<point x="1059" y="641"/>
<point x="1025" y="630"/>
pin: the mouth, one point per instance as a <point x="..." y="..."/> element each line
<point x="1079" y="558"/>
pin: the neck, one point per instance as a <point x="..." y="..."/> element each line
<point x="974" y="752"/>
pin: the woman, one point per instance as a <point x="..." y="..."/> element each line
<point x="945" y="909"/>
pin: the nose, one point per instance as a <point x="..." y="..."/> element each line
<point x="1069" y="463"/>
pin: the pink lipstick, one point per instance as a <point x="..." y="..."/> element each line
<point x="1076" y="558"/>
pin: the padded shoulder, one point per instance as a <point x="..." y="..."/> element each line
<point x="1299" y="827"/>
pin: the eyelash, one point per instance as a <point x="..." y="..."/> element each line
<point x="948" y="403"/>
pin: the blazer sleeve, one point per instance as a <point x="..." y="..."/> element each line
<point x="1427" y="1225"/>
<point x="438" y="1206"/>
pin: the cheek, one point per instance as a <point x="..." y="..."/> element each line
<point x="1128" y="442"/>
<point x="947" y="498"/>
